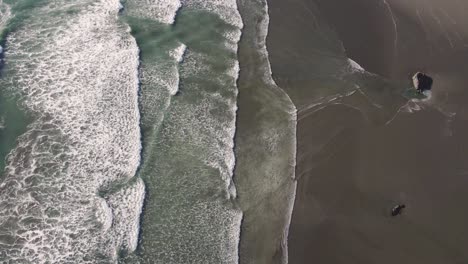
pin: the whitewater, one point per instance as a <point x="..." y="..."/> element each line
<point x="69" y="191"/>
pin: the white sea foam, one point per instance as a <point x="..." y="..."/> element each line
<point x="5" y="15"/>
<point x="225" y="9"/>
<point x="232" y="39"/>
<point x="178" y="53"/>
<point x="192" y="65"/>
<point x="162" y="11"/>
<point x="355" y="67"/>
<point x="220" y="153"/>
<point x="216" y="134"/>
<point x="126" y="207"/>
<point x="160" y="81"/>
<point x="81" y="81"/>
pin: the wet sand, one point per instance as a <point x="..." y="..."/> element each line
<point x="353" y="164"/>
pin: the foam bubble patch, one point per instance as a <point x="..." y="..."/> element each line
<point x="76" y="66"/>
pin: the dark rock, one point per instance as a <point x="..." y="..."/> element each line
<point x="398" y="209"/>
<point x="422" y="82"/>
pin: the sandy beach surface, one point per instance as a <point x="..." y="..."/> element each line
<point x="362" y="146"/>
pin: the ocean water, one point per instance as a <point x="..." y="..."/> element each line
<point x="13" y="123"/>
<point x="188" y="100"/>
<point x="13" y="120"/>
<point x="146" y="131"/>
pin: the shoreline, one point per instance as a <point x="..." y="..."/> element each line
<point x="265" y="146"/>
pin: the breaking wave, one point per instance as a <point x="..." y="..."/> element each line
<point x="188" y="103"/>
<point x="69" y="193"/>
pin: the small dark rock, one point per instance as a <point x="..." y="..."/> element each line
<point x="422" y="82"/>
<point x="398" y="209"/>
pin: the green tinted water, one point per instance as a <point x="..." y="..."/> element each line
<point x="187" y="217"/>
<point x="13" y="120"/>
<point x="20" y="10"/>
<point x="13" y="123"/>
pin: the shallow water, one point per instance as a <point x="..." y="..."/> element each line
<point x="188" y="101"/>
<point x="13" y="122"/>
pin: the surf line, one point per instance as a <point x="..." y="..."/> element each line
<point x="136" y="175"/>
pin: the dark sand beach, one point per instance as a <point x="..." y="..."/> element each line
<point x="367" y="151"/>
